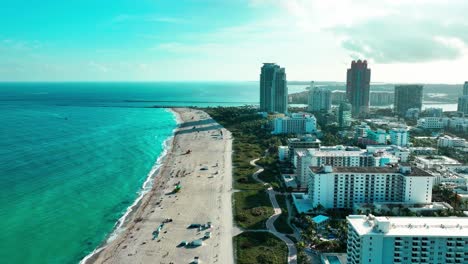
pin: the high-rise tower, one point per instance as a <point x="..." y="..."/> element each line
<point x="319" y="99"/>
<point x="406" y="97"/>
<point x="357" y="87"/>
<point x="273" y="89"/>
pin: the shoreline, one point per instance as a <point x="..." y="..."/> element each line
<point x="115" y="248"/>
<point x="146" y="187"/>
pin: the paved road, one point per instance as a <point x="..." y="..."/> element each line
<point x="292" y="251"/>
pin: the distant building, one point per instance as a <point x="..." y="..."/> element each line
<point x="423" y="150"/>
<point x="431" y="162"/>
<point x="430" y="123"/>
<point x="358" y="87"/>
<point x="378" y="137"/>
<point x="338" y="97"/>
<point x="302" y="142"/>
<point x="273" y="89"/>
<point x="451" y="142"/>
<point x="381" y="98"/>
<point x="459" y="124"/>
<point x="319" y="99"/>
<point x="406" y="97"/>
<point x="433" y="112"/>
<point x="463" y="104"/>
<point x="357" y="185"/>
<point x="297" y="123"/>
<point x="344" y="114"/>
<point x="388" y="240"/>
<point x="399" y="137"/>
<point x="465" y="89"/>
<point x="412" y="113"/>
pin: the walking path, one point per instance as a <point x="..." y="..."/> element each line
<point x="292" y="251"/>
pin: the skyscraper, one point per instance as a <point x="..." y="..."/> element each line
<point x="273" y="89"/>
<point x="344" y="114"/>
<point x="463" y="104"/>
<point x="319" y="99"/>
<point x="463" y="100"/>
<point x="406" y="97"/>
<point x="357" y="87"/>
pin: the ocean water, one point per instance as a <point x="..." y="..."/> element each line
<point x="74" y="157"/>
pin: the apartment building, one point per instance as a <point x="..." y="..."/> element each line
<point x="342" y="187"/>
<point x="407" y="240"/>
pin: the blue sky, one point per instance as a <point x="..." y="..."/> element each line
<point x="150" y="40"/>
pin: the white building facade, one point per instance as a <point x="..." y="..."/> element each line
<point x="319" y="99"/>
<point x="283" y="153"/>
<point x="298" y="123"/>
<point x="451" y="142"/>
<point x="431" y="123"/>
<point x="339" y="156"/>
<point x="399" y="137"/>
<point x="406" y="240"/>
<point x="342" y="187"/>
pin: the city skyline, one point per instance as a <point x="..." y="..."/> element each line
<point x="195" y="41"/>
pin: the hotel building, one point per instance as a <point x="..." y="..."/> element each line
<point x="338" y="156"/>
<point x="342" y="187"/>
<point x="297" y="123"/>
<point x="405" y="240"/>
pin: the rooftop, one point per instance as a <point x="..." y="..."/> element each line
<point x="414" y="171"/>
<point x="436" y="160"/>
<point x="410" y="226"/>
<point x="320" y="219"/>
<point x="338" y="153"/>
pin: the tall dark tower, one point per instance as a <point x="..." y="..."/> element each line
<point x="406" y="97"/>
<point x="273" y="89"/>
<point x="357" y="87"/>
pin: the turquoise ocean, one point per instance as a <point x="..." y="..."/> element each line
<point x="74" y="157"/>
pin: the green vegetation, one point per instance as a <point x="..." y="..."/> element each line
<point x="281" y="224"/>
<point x="252" y="208"/>
<point x="440" y="194"/>
<point x="424" y="142"/>
<point x="271" y="173"/>
<point x="337" y="228"/>
<point x="260" y="247"/>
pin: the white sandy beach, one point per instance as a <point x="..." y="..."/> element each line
<point x="205" y="196"/>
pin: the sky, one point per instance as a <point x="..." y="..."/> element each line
<point x="404" y="41"/>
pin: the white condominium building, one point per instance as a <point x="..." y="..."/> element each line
<point x="319" y="99"/>
<point x="431" y="123"/>
<point x="298" y="123"/>
<point x="451" y="142"/>
<point x="399" y="137"/>
<point x="338" y="156"/>
<point x="342" y="187"/>
<point x="407" y="240"/>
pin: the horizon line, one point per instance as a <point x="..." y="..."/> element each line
<point x="215" y="81"/>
